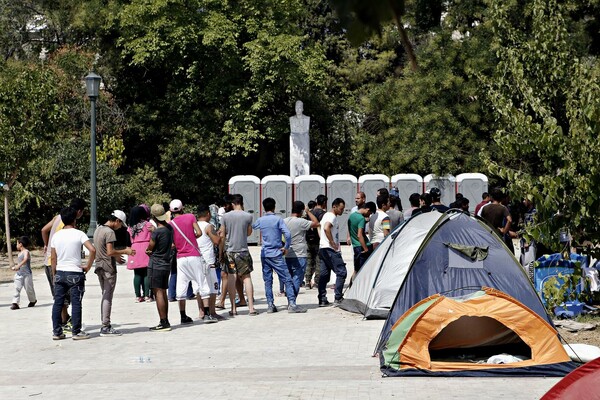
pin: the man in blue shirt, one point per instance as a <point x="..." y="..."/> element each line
<point x="272" y="228"/>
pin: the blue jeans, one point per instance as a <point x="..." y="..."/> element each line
<point x="73" y="283"/>
<point x="360" y="257"/>
<point x="172" y="288"/>
<point x="297" y="267"/>
<point x="331" y="261"/>
<point x="277" y="264"/>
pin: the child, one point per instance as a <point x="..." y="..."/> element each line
<point x="23" y="277"/>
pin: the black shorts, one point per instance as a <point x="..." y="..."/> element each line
<point x="158" y="278"/>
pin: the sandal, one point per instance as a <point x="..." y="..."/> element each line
<point x="231" y="313"/>
<point x="219" y="307"/>
<point x="253" y="313"/>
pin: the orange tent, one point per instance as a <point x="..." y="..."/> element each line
<point x="468" y="335"/>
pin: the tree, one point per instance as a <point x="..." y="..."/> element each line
<point x="546" y="93"/>
<point x="365" y="18"/>
<point x="219" y="79"/>
<point x="433" y="120"/>
<point x="30" y="114"/>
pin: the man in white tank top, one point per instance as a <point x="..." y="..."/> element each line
<point x="206" y="244"/>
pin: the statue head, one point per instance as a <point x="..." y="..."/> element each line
<point x="299" y="108"/>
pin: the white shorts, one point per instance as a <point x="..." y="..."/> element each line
<point x="195" y="270"/>
<point x="210" y="282"/>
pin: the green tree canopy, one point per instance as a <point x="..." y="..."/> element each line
<point x="546" y="94"/>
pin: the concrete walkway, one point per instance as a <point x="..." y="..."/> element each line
<point x="323" y="354"/>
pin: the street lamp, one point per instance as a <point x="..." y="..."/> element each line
<point x="92" y="88"/>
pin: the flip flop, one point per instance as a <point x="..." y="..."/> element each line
<point x="231" y="313"/>
<point x="219" y="307"/>
<point x="253" y="313"/>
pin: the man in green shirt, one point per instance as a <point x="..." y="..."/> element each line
<point x="356" y="228"/>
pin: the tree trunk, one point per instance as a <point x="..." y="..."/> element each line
<point x="7" y="228"/>
<point x="410" y="52"/>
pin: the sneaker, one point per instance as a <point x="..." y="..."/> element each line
<point x="209" y="319"/>
<point x="324" y="303"/>
<point x="81" y="336"/>
<point x="14" y="306"/>
<point x="109" y="331"/>
<point x="294" y="309"/>
<point x="186" y="320"/>
<point x="163" y="326"/>
<point x="68" y="327"/>
<point x="139" y="299"/>
<point x="59" y="337"/>
<point x="148" y="299"/>
<point x="32" y="304"/>
<point x="271" y="309"/>
<point x="338" y="302"/>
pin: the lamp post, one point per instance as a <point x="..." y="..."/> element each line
<point x="92" y="87"/>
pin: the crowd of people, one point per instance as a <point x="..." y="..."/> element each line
<point x="177" y="256"/>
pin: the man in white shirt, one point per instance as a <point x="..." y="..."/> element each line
<point x="381" y="227"/>
<point x="68" y="274"/>
<point x="330" y="254"/>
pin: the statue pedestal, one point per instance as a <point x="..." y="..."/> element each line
<point x="299" y="154"/>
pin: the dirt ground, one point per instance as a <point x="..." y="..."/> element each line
<point x="37" y="262"/>
<point x="591" y="337"/>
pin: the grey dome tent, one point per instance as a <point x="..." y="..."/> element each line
<point x="376" y="285"/>
<point x="426" y="255"/>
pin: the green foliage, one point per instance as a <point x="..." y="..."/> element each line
<point x="221" y="82"/>
<point x="547" y="98"/>
<point x="30" y="116"/>
<point x="196" y="91"/>
<point x="432" y="120"/>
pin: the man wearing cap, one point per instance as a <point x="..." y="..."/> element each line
<point x="106" y="265"/>
<point x="190" y="265"/>
<point x="159" y="266"/>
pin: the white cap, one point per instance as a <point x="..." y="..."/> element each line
<point x="120" y="214"/>
<point x="176" y="205"/>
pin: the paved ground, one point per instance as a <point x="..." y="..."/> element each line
<point x="323" y="354"/>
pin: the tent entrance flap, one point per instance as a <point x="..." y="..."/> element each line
<point x="476" y="339"/>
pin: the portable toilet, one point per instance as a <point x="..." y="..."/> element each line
<point x="345" y="187"/>
<point x="472" y="187"/>
<point x="249" y="187"/>
<point x="278" y="187"/>
<point x="308" y="187"/>
<point x="371" y="183"/>
<point x="446" y="184"/>
<point x="407" y="184"/>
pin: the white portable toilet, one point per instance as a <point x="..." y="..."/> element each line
<point x="249" y="187"/>
<point x="407" y="184"/>
<point x="371" y="183"/>
<point x="308" y="187"/>
<point x="446" y="184"/>
<point x="472" y="186"/>
<point x="278" y="187"/>
<point x="345" y="187"/>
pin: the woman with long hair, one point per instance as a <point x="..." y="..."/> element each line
<point x="140" y="230"/>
